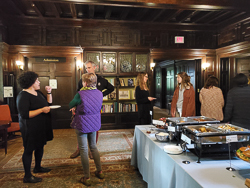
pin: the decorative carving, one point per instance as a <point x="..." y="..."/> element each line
<point x="91" y="38"/>
<point x="25" y="35"/>
<point x="59" y="37"/>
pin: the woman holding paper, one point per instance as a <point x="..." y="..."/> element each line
<point x="143" y="99"/>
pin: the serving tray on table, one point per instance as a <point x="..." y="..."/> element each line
<point x="212" y="139"/>
<point x="204" y="119"/>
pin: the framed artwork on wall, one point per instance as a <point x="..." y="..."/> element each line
<point x="126" y="64"/>
<point x="109" y="62"/>
<point x="124" y="94"/>
<point x="141" y="62"/>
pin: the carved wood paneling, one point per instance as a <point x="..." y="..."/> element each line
<point x="60" y="36"/>
<point x="25" y="35"/>
<point x="124" y="38"/>
<point x="227" y="36"/>
<point x="245" y="31"/>
<point x="150" y="38"/>
<point x="234" y="34"/>
<point x="91" y="38"/>
<point x="243" y="66"/>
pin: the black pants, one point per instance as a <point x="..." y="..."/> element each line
<point x="27" y="159"/>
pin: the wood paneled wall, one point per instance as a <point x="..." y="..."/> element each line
<point x="236" y="33"/>
<point x="111" y="37"/>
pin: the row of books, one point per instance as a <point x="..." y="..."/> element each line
<point x="119" y="107"/>
<point x="122" y="81"/>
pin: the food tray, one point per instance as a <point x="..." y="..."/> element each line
<point x="204" y="119"/>
<point x="215" y="136"/>
<point x="235" y="129"/>
<point x="182" y="120"/>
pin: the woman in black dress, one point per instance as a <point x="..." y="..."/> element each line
<point x="143" y="99"/>
<point x="35" y="123"/>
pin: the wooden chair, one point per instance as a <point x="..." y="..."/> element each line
<point x="6" y="115"/>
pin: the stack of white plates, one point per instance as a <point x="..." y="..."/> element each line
<point x="171" y="149"/>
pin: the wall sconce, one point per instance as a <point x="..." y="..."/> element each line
<point x="152" y="65"/>
<point x="205" y="66"/>
<point x="79" y="65"/>
<point x="19" y="65"/>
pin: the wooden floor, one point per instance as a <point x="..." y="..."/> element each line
<point x="15" y="142"/>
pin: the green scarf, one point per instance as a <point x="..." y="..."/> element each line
<point x="88" y="88"/>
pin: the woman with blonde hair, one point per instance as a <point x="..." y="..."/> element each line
<point x="183" y="101"/>
<point x="143" y="99"/>
<point x="87" y="120"/>
<point x="211" y="99"/>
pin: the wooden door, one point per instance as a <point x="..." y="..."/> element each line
<point x="170" y="84"/>
<point x="187" y="66"/>
<point x="158" y="86"/>
<point x="224" y="76"/>
<point x="199" y="85"/>
<point x="64" y="73"/>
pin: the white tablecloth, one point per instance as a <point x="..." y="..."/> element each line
<point x="160" y="169"/>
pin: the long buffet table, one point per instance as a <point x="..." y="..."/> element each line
<point x="160" y="169"/>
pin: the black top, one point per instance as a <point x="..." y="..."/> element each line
<point x="237" y="109"/>
<point x="102" y="84"/>
<point x="144" y="105"/>
<point x="35" y="131"/>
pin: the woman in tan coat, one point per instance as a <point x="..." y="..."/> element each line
<point x="183" y="101"/>
<point x="211" y="99"/>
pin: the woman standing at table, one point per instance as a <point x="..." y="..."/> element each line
<point x="35" y="123"/>
<point x="211" y="99"/>
<point x="183" y="101"/>
<point x="143" y="99"/>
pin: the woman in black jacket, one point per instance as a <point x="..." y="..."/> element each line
<point x="35" y="123"/>
<point x="143" y="99"/>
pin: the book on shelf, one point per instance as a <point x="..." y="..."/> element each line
<point x="127" y="107"/>
<point x="130" y="82"/>
<point x="112" y="95"/>
<point x="122" y="82"/>
<point x="109" y="108"/>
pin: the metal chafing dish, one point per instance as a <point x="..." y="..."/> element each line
<point x="179" y="122"/>
<point x="204" y="119"/>
<point x="212" y="139"/>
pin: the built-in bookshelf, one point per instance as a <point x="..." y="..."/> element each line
<point x="122" y="99"/>
<point x="119" y="108"/>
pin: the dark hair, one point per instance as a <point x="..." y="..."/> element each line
<point x="27" y="79"/>
<point x="211" y="81"/>
<point x="240" y="80"/>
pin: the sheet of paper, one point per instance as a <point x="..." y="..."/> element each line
<point x="53" y="83"/>
<point x="7" y="91"/>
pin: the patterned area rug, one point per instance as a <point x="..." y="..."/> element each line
<point x="115" y="149"/>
